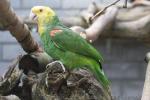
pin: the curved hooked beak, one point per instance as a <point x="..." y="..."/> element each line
<point x="33" y="16"/>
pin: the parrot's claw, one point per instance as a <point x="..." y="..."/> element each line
<point x="56" y="63"/>
<point x="55" y="75"/>
<point x="62" y="66"/>
<point x="78" y="83"/>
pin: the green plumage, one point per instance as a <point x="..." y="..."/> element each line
<point x="72" y="50"/>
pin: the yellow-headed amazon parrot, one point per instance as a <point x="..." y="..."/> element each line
<point x="62" y="44"/>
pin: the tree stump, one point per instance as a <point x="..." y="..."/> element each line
<point x="53" y="83"/>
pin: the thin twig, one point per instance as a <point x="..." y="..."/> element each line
<point x="101" y="11"/>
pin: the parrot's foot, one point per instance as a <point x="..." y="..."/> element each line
<point x="56" y="75"/>
<point x="79" y="83"/>
<point x="56" y="64"/>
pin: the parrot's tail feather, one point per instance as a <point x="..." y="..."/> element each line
<point x="100" y="76"/>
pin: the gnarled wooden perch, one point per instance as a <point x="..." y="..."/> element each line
<point x="10" y="21"/>
<point x="38" y="83"/>
<point x="51" y="83"/>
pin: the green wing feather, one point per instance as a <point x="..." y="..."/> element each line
<point x="71" y="41"/>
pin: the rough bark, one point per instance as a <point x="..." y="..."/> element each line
<point x="35" y="61"/>
<point x="11" y="78"/>
<point x="48" y="82"/>
<point x="54" y="82"/>
<point x="10" y="21"/>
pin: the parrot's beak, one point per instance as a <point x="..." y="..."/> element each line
<point x="33" y="16"/>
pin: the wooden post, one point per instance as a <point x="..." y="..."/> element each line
<point x="146" y="89"/>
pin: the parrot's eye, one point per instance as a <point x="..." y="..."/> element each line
<point x="41" y="10"/>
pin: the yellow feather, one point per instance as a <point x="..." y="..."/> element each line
<point x="44" y="15"/>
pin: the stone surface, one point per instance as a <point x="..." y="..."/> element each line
<point x="122" y="49"/>
<point x="6" y="37"/>
<point x="132" y="90"/>
<point x="119" y="70"/>
<point x="23" y="12"/>
<point x="3" y="67"/>
<point x="116" y="86"/>
<point x="31" y="3"/>
<point x="1" y="52"/>
<point x="15" y="4"/>
<point x="66" y="13"/>
<point x="11" y="51"/>
<point x="70" y="4"/>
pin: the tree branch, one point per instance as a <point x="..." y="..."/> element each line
<point x="9" y="21"/>
<point x="132" y="22"/>
<point x="141" y="2"/>
<point x="35" y="61"/>
<point x="103" y="10"/>
<point x="101" y="24"/>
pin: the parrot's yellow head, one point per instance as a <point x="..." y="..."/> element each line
<point x="41" y="15"/>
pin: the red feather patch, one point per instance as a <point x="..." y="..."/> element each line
<point x="54" y="31"/>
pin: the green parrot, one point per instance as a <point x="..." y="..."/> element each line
<point x="63" y="44"/>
